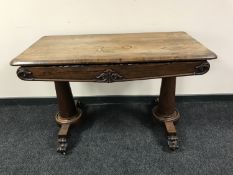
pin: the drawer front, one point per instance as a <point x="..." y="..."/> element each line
<point x="112" y="73"/>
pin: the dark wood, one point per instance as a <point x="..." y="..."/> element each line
<point x="62" y="139"/>
<point x="109" y="76"/>
<point x="62" y="145"/>
<point x="202" y="68"/>
<point x="166" y="111"/>
<point x="112" y="72"/>
<point x="171" y="135"/>
<point x="114" y="48"/>
<point x="68" y="113"/>
<point x="173" y="142"/>
<point x="66" y="104"/>
<point x="114" y="58"/>
<point x="167" y="96"/>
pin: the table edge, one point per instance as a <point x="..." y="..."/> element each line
<point x="16" y="62"/>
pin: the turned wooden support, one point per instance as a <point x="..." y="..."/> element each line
<point x="68" y="113"/>
<point x="166" y="109"/>
<point x="65" y="99"/>
<point x="166" y="104"/>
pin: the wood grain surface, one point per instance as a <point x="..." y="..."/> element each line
<point x="113" y="48"/>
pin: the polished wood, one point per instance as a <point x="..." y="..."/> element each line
<point x="113" y="72"/>
<point x="166" y="110"/>
<point x="66" y="103"/>
<point x="68" y="113"/>
<point x="113" y="48"/>
<point x="167" y="96"/>
<point x="114" y="58"/>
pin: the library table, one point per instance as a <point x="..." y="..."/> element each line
<point x="108" y="58"/>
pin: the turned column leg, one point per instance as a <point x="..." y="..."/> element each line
<point x="166" y="110"/>
<point x="68" y="113"/>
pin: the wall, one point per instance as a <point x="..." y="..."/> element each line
<point x="210" y="21"/>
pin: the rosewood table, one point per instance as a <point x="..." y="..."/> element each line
<point x="108" y="58"/>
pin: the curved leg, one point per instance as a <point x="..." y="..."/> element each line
<point x="166" y="111"/>
<point x="68" y="113"/>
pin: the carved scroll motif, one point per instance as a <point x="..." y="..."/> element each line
<point x="109" y="76"/>
<point x="202" y="68"/>
<point x="24" y="74"/>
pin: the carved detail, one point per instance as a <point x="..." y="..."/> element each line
<point x="202" y="68"/>
<point x="109" y="76"/>
<point x="62" y="145"/>
<point x="24" y="74"/>
<point x="173" y="142"/>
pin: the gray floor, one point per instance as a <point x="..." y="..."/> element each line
<point x="117" y="139"/>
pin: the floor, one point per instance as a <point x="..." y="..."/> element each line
<point x="116" y="137"/>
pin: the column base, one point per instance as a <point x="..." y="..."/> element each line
<point x="65" y="124"/>
<point x="164" y="117"/>
<point x="168" y="120"/>
<point x="71" y="120"/>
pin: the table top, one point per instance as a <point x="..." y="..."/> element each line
<point x="113" y="48"/>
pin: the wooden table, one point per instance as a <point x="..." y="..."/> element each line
<point x="114" y="58"/>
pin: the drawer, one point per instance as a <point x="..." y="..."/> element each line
<point x="112" y="72"/>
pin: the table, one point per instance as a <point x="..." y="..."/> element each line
<point x="108" y="58"/>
